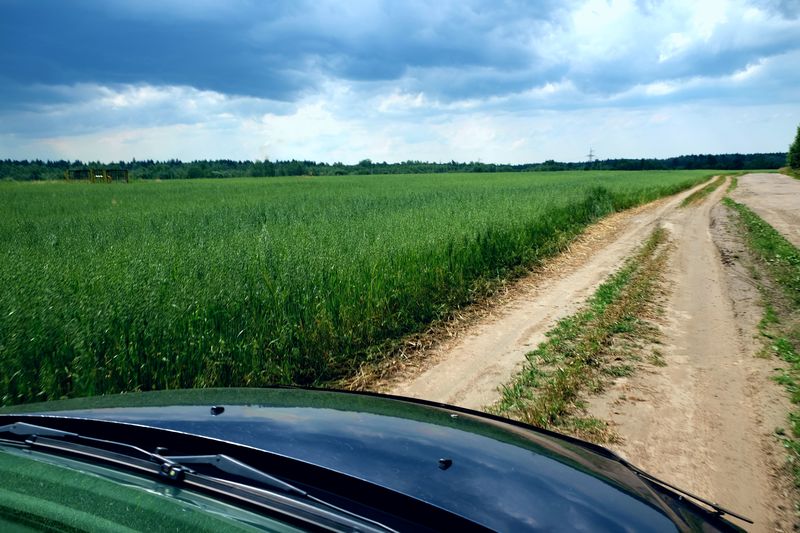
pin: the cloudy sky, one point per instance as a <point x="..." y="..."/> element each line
<point x="488" y="80"/>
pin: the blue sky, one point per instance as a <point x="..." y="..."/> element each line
<point x="495" y="81"/>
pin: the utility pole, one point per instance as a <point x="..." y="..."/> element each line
<point x="591" y="155"/>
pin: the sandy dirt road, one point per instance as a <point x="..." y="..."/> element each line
<point x="469" y="369"/>
<point x="775" y="198"/>
<point x="705" y="421"/>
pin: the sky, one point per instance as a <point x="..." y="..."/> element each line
<point x="497" y="81"/>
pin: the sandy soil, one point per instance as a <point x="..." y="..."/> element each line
<point x="468" y="369"/>
<point x="705" y="421"/>
<point x="776" y="199"/>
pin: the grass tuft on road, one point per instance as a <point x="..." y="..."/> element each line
<point x="576" y="356"/>
<point x="700" y="194"/>
<point x="780" y="261"/>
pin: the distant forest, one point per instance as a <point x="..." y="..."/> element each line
<point x="225" y="168"/>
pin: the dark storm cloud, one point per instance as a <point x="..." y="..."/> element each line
<point x="787" y="8"/>
<point x="282" y="50"/>
<point x="59" y="43"/>
<point x="275" y="50"/>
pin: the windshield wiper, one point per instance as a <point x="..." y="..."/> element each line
<point x="289" y="500"/>
<point x="718" y="509"/>
<point x="237" y="468"/>
<point x="23" y="429"/>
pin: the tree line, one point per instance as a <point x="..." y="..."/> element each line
<point x="793" y="157"/>
<point x="226" y="168"/>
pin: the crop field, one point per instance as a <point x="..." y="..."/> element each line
<point x="157" y="285"/>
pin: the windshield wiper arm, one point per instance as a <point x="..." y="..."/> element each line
<point x="23" y="429"/>
<point x="718" y="509"/>
<point x="172" y="466"/>
<point x="237" y="468"/>
<point x="176" y="470"/>
<point x="133" y="456"/>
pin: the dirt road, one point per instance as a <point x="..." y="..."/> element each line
<point x="705" y="421"/>
<point x="775" y="198"/>
<point x="468" y="370"/>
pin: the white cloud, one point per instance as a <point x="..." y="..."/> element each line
<point x="747" y="73"/>
<point x="316" y="132"/>
<point x="672" y="45"/>
<point x="660" y="88"/>
<point x="400" y="101"/>
<point x="84" y="108"/>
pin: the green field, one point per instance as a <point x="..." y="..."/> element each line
<point x="248" y="282"/>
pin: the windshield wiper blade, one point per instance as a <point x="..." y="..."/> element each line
<point x="237" y="468"/>
<point x="23" y="429"/>
<point x="173" y="467"/>
<point x="718" y="509"/>
<point x="132" y="456"/>
<point x="319" y="511"/>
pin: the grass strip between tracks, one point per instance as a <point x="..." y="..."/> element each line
<point x="577" y="353"/>
<point x="699" y="194"/>
<point x="779" y="260"/>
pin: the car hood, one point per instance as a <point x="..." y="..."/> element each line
<point x="499" y="474"/>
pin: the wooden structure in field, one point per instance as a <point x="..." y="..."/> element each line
<point x="97" y="175"/>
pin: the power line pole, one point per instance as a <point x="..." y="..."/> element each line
<point x="591" y="155"/>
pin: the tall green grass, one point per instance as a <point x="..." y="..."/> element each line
<point x="157" y="285"/>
